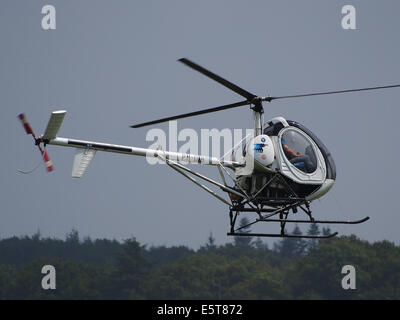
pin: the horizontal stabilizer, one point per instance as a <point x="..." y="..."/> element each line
<point x="82" y="159"/>
<point x="54" y="124"/>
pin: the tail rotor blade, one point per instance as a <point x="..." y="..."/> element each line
<point x="46" y="159"/>
<point x="45" y="156"/>
<point x="26" y="124"/>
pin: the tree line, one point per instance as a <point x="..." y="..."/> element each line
<point x="244" y="269"/>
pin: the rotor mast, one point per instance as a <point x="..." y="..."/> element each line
<point x="258" y="112"/>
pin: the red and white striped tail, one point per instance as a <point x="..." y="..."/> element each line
<point x="47" y="161"/>
<point x="26" y="125"/>
<point x="28" y="129"/>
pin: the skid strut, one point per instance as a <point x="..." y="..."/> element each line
<point x="274" y="235"/>
<point x="282" y="221"/>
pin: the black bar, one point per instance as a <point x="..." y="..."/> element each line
<point x="105" y="147"/>
<point x="315" y="221"/>
<point x="278" y="235"/>
<point x="253" y="210"/>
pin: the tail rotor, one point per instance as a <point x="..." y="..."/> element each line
<point x="38" y="141"/>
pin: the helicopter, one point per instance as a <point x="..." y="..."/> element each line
<point x="279" y="169"/>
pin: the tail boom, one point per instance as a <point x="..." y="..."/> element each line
<point x="176" y="156"/>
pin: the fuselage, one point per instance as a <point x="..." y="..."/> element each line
<point x="293" y="151"/>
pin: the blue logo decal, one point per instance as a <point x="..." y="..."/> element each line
<point x="258" y="147"/>
<point x="262" y="139"/>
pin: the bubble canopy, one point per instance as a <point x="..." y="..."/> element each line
<point x="299" y="151"/>
<point x="300" y="146"/>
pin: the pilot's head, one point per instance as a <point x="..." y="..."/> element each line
<point x="292" y="137"/>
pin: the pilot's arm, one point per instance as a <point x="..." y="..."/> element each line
<point x="290" y="151"/>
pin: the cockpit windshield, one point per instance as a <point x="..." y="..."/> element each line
<point x="273" y="128"/>
<point x="299" y="151"/>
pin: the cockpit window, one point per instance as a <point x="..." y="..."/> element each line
<point x="299" y="151"/>
<point x="330" y="163"/>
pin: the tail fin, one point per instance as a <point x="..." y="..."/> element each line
<point x="54" y="124"/>
<point x="82" y="159"/>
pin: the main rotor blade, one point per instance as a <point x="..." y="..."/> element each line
<point x="196" y="113"/>
<point x="329" y="92"/>
<point x="224" y="82"/>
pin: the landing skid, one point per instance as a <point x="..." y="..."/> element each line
<point x="265" y="207"/>
<point x="315" y="221"/>
<point x="283" y="214"/>
<point x="278" y="235"/>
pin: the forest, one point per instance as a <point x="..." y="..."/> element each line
<point x="244" y="269"/>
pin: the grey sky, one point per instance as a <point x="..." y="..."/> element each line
<point x="111" y="64"/>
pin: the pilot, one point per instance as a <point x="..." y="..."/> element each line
<point x="299" y="160"/>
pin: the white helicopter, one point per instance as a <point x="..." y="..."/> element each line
<point x="283" y="167"/>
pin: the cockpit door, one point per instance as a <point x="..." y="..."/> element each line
<point x="299" y="157"/>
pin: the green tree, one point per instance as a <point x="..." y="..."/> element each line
<point x="7" y="276"/>
<point x="326" y="231"/>
<point x="217" y="276"/>
<point x="73" y="237"/>
<point x="132" y="269"/>
<point x="74" y="281"/>
<point x="243" y="241"/>
<point x="313" y="230"/>
<point x="291" y="247"/>
<point x="161" y="255"/>
<point x="319" y="273"/>
<point x="260" y="245"/>
<point x="104" y="269"/>
<point x="209" y="245"/>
